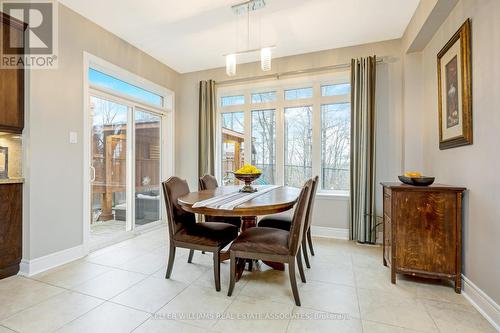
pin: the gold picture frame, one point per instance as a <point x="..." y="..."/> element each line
<point x="455" y="90"/>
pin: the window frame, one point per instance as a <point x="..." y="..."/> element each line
<point x="279" y="86"/>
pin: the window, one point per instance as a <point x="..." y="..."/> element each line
<point x="298" y="145"/>
<point x="232" y="100"/>
<point x="300" y="93"/>
<point x="335" y="146"/>
<point x="336" y="89"/>
<point x="109" y="82"/>
<point x="264" y="143"/>
<point x="264" y="97"/>
<point x="293" y="130"/>
<point x="233" y="145"/>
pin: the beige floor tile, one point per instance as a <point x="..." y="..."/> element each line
<point x="207" y="279"/>
<point x="269" y="285"/>
<point x="197" y="306"/>
<point x="17" y="293"/>
<point x="339" y="273"/>
<point x="308" y="321"/>
<point x="165" y="325"/>
<point x="394" y="310"/>
<point x="145" y="264"/>
<point x="71" y="274"/>
<point x="52" y="313"/>
<point x="184" y="272"/>
<point x="457" y="318"/>
<point x="4" y="329"/>
<point x="380" y="280"/>
<point x="439" y="291"/>
<point x="327" y="297"/>
<point x="374" y="327"/>
<point x="150" y="295"/>
<point x="109" y="284"/>
<point x="117" y="256"/>
<point x="107" y="318"/>
<point x="247" y="314"/>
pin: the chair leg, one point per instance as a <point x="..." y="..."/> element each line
<point x="301" y="267"/>
<point x="217" y="270"/>
<point x="304" y="251"/>
<point x="293" y="281"/>
<point x="309" y="240"/>
<point x="190" y="257"/>
<point x="232" y="277"/>
<point x="171" y="257"/>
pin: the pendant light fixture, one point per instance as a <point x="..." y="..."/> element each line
<point x="265" y="52"/>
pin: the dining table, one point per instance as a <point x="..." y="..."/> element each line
<point x="271" y="200"/>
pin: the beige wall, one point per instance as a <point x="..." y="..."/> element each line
<point x="475" y="166"/>
<point x="53" y="167"/>
<point x="330" y="212"/>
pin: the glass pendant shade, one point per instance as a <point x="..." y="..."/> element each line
<point x="231" y="64"/>
<point x="265" y="59"/>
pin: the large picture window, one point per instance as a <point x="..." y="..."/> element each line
<point x="292" y="130"/>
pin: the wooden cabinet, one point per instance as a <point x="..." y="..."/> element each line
<point x="422" y="233"/>
<point x="11" y="198"/>
<point x="11" y="81"/>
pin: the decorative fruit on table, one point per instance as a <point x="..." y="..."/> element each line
<point x="416" y="178"/>
<point x="248" y="173"/>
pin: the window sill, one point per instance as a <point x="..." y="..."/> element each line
<point x="333" y="195"/>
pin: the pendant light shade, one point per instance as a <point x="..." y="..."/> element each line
<point x="265" y="59"/>
<point x="231" y="64"/>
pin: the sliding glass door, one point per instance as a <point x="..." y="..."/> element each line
<point x="109" y="135"/>
<point x="147" y="167"/>
<point x="126" y="167"/>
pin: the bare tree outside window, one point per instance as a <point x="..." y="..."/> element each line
<point x="298" y="145"/>
<point x="335" y="146"/>
<point x="264" y="143"/>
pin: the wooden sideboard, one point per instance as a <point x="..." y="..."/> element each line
<point x="422" y="233"/>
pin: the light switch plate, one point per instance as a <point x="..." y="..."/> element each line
<point x="73" y="137"/>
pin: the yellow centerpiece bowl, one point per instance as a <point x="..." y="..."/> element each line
<point x="247" y="174"/>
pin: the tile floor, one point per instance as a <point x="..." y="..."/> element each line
<point x="122" y="289"/>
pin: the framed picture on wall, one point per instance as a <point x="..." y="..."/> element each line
<point x="455" y="90"/>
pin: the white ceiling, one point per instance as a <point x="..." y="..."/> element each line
<point x="191" y="35"/>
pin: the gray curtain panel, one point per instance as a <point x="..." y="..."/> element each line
<point x="206" y="128"/>
<point x="362" y="199"/>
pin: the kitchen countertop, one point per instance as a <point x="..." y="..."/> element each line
<point x="12" y="181"/>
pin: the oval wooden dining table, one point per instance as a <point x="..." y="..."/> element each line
<point x="278" y="200"/>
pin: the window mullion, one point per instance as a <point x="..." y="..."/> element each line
<point x="316" y="131"/>
<point x="280" y="136"/>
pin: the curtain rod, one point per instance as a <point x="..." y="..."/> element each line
<point x="278" y="76"/>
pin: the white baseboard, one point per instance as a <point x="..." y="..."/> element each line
<point x="326" y="232"/>
<point x="482" y="302"/>
<point x="38" y="265"/>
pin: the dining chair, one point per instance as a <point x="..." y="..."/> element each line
<point x="284" y="222"/>
<point x="273" y="244"/>
<point x="209" y="182"/>
<point x="184" y="232"/>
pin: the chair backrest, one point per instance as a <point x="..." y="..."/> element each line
<point x="310" y="205"/>
<point x="178" y="218"/>
<point x="208" y="182"/>
<point x="299" y="219"/>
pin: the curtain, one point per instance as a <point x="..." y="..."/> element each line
<point x="206" y="128"/>
<point x="362" y="198"/>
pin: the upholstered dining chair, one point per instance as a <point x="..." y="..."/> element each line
<point x="209" y="182"/>
<point x="273" y="244"/>
<point x="184" y="232"/>
<point x="284" y="222"/>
